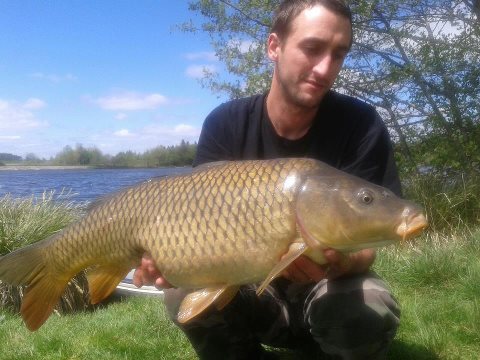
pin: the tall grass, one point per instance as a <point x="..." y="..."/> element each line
<point x="24" y="221"/>
<point x="451" y="200"/>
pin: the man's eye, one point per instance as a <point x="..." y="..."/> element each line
<point x="310" y="49"/>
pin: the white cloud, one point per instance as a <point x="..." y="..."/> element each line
<point x="121" y="116"/>
<point x="184" y="129"/>
<point x="245" y="46"/>
<point x="34" y="103"/>
<point x="149" y="137"/>
<point x="54" y="78"/>
<point x="10" y="137"/>
<point x="123" y="133"/>
<point x="198" y="71"/>
<point x="15" y="116"/>
<point x="242" y="45"/>
<point x="130" y="101"/>
<point x="201" y="55"/>
<point x="173" y="134"/>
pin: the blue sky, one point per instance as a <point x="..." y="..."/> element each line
<point x="112" y="74"/>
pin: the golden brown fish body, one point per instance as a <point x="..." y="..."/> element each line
<point x="221" y="226"/>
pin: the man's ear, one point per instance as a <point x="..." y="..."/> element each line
<point x="273" y="46"/>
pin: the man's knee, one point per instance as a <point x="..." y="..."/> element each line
<point x="226" y="333"/>
<point x="172" y="300"/>
<point x="353" y="318"/>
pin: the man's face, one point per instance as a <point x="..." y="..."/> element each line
<point x="310" y="57"/>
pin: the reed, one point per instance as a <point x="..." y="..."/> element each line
<point x="451" y="199"/>
<point x="24" y="221"/>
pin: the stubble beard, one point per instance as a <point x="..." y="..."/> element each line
<point x="294" y="95"/>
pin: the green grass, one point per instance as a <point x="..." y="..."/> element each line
<point x="133" y="329"/>
<point x="437" y="282"/>
<point x="451" y="200"/>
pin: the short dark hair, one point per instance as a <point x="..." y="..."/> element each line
<point x="288" y="10"/>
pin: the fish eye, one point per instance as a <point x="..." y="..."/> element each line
<point x="365" y="196"/>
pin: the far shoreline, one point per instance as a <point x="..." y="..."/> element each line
<point x="77" y="167"/>
<point x="44" y="167"/>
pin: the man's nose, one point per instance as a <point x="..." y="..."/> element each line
<point x="323" y="66"/>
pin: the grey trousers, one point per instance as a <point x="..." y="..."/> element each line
<point x="348" y="318"/>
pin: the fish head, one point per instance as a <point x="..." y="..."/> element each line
<point x="347" y="213"/>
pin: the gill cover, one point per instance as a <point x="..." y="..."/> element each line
<point x="313" y="206"/>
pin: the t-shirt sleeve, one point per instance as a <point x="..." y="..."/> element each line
<point x="215" y="139"/>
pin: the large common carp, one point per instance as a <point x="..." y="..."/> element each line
<point x="223" y="225"/>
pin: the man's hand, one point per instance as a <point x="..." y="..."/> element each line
<point x="148" y="274"/>
<point x="304" y="270"/>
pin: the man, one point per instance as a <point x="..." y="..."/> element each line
<point x="342" y="309"/>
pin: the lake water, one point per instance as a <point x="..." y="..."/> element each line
<point x="83" y="184"/>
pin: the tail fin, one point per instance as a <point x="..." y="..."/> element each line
<point x="27" y="266"/>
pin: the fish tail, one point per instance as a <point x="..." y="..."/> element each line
<point x="27" y="266"/>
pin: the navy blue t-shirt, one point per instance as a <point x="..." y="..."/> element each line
<point x="346" y="133"/>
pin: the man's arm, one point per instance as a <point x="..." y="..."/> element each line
<point x="304" y="270"/>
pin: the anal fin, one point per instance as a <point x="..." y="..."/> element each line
<point x="103" y="279"/>
<point x="196" y="302"/>
<point x="227" y="296"/>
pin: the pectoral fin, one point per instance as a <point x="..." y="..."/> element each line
<point x="102" y="280"/>
<point x="294" y="251"/>
<point x="196" y="302"/>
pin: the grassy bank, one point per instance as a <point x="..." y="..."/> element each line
<point x="437" y="282"/>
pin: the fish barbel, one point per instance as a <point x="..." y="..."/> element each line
<point x="221" y="226"/>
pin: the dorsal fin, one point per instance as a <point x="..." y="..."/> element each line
<point x="99" y="201"/>
<point x="209" y="165"/>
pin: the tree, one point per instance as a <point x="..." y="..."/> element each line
<point x="127" y="159"/>
<point x="415" y="61"/>
<point x="80" y="156"/>
<point x="6" y="157"/>
<point x="32" y="158"/>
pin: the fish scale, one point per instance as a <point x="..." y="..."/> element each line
<point x="221" y="226"/>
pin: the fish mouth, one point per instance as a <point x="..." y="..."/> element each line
<point x="411" y="226"/>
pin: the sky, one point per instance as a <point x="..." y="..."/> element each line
<point x="116" y="75"/>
